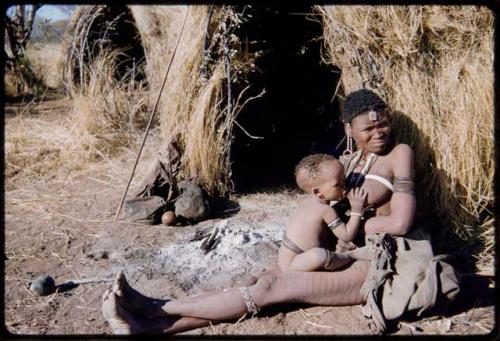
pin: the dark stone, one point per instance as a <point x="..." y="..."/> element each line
<point x="43" y="285"/>
<point x="192" y="203"/>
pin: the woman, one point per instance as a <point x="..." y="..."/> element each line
<point x="384" y="171"/>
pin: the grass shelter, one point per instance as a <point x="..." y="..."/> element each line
<point x="254" y="88"/>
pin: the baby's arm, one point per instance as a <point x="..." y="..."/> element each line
<point x="347" y="232"/>
<point x="319" y="258"/>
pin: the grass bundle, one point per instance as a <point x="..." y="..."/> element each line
<point x="434" y="67"/>
<point x="108" y="113"/>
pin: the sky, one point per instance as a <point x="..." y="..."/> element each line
<point x="52" y="12"/>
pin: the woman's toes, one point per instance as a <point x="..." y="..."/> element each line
<point x="118" y="284"/>
<point x="117" y="318"/>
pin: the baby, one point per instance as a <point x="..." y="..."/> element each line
<point x="306" y="238"/>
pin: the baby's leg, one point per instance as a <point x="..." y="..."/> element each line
<point x="362" y="253"/>
<point x="319" y="258"/>
<point x="336" y="260"/>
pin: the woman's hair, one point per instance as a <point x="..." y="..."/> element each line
<point x="309" y="169"/>
<point x="359" y="101"/>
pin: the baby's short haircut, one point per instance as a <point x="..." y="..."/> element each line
<point x="308" y="170"/>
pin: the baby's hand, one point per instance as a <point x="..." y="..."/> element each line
<point x="357" y="198"/>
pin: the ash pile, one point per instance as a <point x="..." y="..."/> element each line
<point x="221" y="255"/>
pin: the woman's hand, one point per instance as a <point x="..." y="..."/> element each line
<point x="357" y="199"/>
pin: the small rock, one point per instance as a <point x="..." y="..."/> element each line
<point x="43" y="285"/>
<point x="192" y="203"/>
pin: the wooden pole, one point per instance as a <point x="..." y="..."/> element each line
<point x="151" y="118"/>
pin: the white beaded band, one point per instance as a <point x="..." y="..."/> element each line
<point x="249" y="302"/>
<point x="356" y="213"/>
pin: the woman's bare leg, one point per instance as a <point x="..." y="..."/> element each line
<point x="322" y="288"/>
<point x="137" y="303"/>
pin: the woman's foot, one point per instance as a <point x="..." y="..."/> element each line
<point x="120" y="320"/>
<point x="134" y="301"/>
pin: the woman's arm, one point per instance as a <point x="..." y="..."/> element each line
<point x="402" y="204"/>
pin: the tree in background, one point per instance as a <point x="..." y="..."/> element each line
<point x="18" y="28"/>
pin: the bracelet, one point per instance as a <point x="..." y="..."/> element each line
<point x="356" y="213"/>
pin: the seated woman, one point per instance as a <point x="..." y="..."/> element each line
<point x="383" y="170"/>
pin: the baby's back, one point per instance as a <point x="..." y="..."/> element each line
<point x="306" y="228"/>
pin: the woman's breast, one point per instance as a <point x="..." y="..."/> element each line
<point x="378" y="194"/>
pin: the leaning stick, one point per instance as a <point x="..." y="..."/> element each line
<point x="151" y="118"/>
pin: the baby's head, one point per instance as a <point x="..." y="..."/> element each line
<point x="321" y="175"/>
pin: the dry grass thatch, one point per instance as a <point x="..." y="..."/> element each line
<point x="197" y="106"/>
<point x="109" y="108"/>
<point x="434" y="67"/>
<point x="108" y="113"/>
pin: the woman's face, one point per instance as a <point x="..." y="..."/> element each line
<point x="371" y="132"/>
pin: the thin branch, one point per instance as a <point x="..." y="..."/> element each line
<point x="247" y="133"/>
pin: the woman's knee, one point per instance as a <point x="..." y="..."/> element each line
<point x="263" y="291"/>
<point x="271" y="289"/>
<point x="266" y="283"/>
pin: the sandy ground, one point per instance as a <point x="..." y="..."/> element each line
<point x="59" y="221"/>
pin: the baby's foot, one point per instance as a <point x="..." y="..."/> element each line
<point x="362" y="253"/>
<point x="134" y="301"/>
<point x="120" y="320"/>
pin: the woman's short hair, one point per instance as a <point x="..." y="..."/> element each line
<point x="359" y="101"/>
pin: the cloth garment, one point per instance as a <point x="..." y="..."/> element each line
<point x="158" y="189"/>
<point x="160" y="179"/>
<point x="145" y="210"/>
<point x="405" y="276"/>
